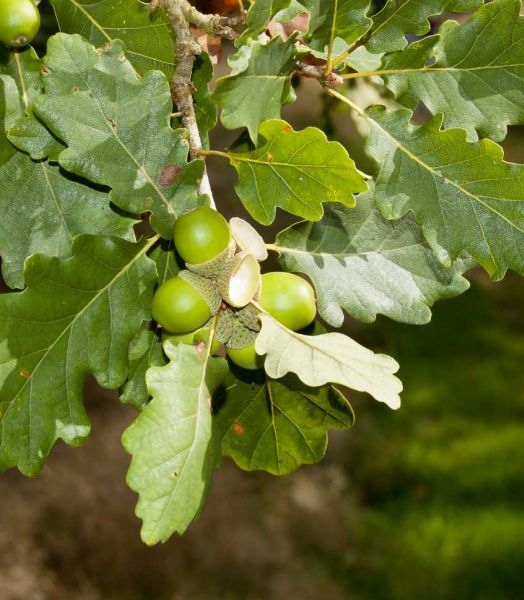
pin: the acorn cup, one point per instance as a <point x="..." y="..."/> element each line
<point x="248" y="239"/>
<point x="206" y="288"/>
<point x="213" y="267"/>
<point x="232" y="332"/>
<point x="249" y="315"/>
<point x="239" y="280"/>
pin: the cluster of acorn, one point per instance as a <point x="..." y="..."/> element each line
<point x="19" y="22"/>
<point x="222" y="277"/>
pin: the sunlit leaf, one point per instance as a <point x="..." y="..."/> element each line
<point x="327" y="358"/>
<point x="26" y="132"/>
<point x="465" y="197"/>
<point x="170" y="441"/>
<point x="295" y="170"/>
<point x="42" y="209"/>
<point x="47" y="210"/>
<point x="401" y="17"/>
<point x="259" y="85"/>
<point x="148" y="38"/>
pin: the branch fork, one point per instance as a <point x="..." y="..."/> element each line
<point x="329" y="80"/>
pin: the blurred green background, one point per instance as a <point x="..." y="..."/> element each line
<point x="423" y="502"/>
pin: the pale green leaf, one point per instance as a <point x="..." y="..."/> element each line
<point x="294" y="170"/>
<point x="278" y="425"/>
<point x="259" y="85"/>
<point x="477" y="80"/>
<point x="148" y="38"/>
<point x="239" y="61"/>
<point x="329" y="19"/>
<point x="327" y="358"/>
<point x="76" y="317"/>
<point x="294" y="9"/>
<point x="465" y="197"/>
<point x="338" y="47"/>
<point x="361" y="59"/>
<point x="401" y="17"/>
<point x="171" y="442"/>
<point x="367" y="266"/>
<point x="117" y="129"/>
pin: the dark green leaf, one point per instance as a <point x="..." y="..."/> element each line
<point x="277" y="426"/>
<point x="331" y="19"/>
<point x="26" y="132"/>
<point x="76" y="317"/>
<point x="148" y="38"/>
<point x="205" y="108"/>
<point x="477" y="80"/>
<point x="10" y="111"/>
<point x="258" y="86"/>
<point x="145" y="351"/>
<point x="401" y="17"/>
<point x="42" y="208"/>
<point x="117" y="129"/>
<point x="47" y="210"/>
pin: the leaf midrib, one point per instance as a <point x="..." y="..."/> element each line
<point x="103" y="290"/>
<point x="436" y="175"/>
<point x="198" y="417"/>
<point x="286" y="250"/>
<point x="116" y="137"/>
<point x="103" y="31"/>
<point x="303" y="339"/>
<point x="386" y="72"/>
